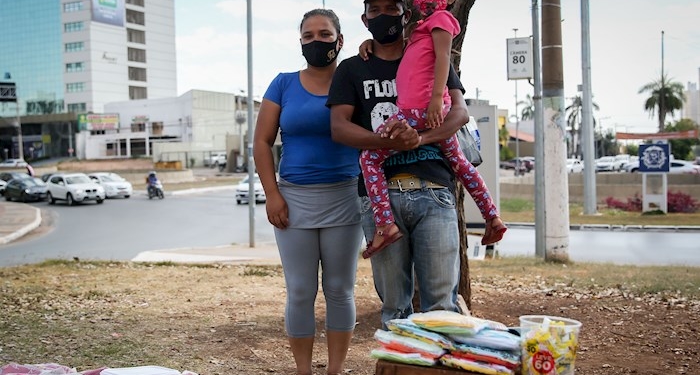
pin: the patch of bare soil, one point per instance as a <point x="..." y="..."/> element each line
<point x="228" y="319"/>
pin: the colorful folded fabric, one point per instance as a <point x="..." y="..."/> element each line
<point x="391" y="340"/>
<point x="475" y="366"/>
<point x="408" y="358"/>
<point x="448" y="322"/>
<point x="509" y="359"/>
<point x="406" y="327"/>
<point x="489" y="338"/>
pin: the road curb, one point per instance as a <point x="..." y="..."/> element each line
<point x="24" y="230"/>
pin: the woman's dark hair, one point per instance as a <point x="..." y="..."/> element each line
<point x="322" y="12"/>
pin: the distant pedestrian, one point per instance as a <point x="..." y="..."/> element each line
<point x="30" y="170"/>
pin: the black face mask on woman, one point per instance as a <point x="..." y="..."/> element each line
<point x="319" y="53"/>
<point x="385" y="29"/>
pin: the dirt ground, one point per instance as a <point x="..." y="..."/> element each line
<point x="228" y="319"/>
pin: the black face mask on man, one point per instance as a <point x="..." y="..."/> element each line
<point x="319" y="53"/>
<point x="385" y="29"/>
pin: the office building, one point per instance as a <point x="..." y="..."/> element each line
<point x="68" y="57"/>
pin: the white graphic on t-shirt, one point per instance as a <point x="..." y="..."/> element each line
<point x="383" y="89"/>
<point x="381" y="112"/>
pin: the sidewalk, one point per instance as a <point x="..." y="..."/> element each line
<point x="16" y="220"/>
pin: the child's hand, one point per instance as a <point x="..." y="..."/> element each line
<point x="434" y="116"/>
<point x="365" y="49"/>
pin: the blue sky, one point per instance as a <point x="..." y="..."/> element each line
<point x="625" y="48"/>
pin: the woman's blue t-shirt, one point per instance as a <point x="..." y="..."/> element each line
<point x="309" y="156"/>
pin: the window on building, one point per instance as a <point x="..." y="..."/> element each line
<point x="75" y="67"/>
<point x="137" y="74"/>
<point x="77" y="107"/>
<point x="75" y="46"/>
<point x="137" y="93"/>
<point x="73" y="6"/>
<point x="71" y="27"/>
<point x="134" y="16"/>
<point x="138" y="55"/>
<point x="75" y="87"/>
<point x="138" y="127"/>
<point x="136" y="36"/>
<point x="135" y="2"/>
<point x="157" y="128"/>
<point x="98" y="132"/>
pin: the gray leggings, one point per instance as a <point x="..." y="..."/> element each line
<point x="336" y="250"/>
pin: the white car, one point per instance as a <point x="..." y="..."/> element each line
<point x="676" y="167"/>
<point x="114" y="184"/>
<point x="574" y="166"/>
<point x="242" y="190"/>
<point x="215" y="159"/>
<point x="74" y="188"/>
<point x="13" y="163"/>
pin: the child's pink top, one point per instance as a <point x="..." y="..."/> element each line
<point x="414" y="80"/>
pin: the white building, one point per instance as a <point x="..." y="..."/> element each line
<point x="691" y="107"/>
<point x="183" y="128"/>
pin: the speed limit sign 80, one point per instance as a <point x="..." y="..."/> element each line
<point x="519" y="51"/>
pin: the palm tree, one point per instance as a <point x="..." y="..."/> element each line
<point x="574" y="120"/>
<point x="667" y="97"/>
<point x="528" y="111"/>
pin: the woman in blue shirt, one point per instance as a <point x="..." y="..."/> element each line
<point x="314" y="206"/>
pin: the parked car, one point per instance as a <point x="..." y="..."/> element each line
<point x="114" y="184"/>
<point x="26" y="189"/>
<point x="525" y="164"/>
<point x="215" y="159"/>
<point x="608" y="164"/>
<point x="6" y="177"/>
<point x="13" y="163"/>
<point x="677" y="166"/>
<point x="74" y="188"/>
<point x="242" y="190"/>
<point x="574" y="166"/>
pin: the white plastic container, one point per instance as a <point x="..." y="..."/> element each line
<point x="140" y="370"/>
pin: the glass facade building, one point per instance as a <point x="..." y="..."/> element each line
<point x="32" y="56"/>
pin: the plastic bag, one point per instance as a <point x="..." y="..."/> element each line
<point x="470" y="142"/>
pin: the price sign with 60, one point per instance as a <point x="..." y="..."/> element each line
<point x="543" y="362"/>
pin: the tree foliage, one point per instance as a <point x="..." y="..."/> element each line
<point x="667" y="97"/>
<point x="683" y="148"/>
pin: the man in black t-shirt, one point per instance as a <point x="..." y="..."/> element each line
<point x="421" y="184"/>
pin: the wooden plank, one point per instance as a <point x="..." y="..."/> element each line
<point x="394" y="368"/>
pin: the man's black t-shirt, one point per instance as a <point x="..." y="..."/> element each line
<point x="370" y="86"/>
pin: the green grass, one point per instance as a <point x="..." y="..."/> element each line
<point x="523" y="211"/>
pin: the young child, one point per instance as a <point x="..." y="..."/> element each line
<point x="423" y="102"/>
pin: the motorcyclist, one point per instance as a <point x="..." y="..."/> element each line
<point x="151" y="181"/>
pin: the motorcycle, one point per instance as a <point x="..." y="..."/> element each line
<point x="156" y="190"/>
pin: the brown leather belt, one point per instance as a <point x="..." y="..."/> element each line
<point x="411" y="183"/>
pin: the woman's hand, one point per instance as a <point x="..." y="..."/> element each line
<point x="277" y="211"/>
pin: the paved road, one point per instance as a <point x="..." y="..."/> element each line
<point x="120" y="229"/>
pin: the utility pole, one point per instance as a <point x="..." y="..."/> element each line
<point x="589" y="180"/>
<point x="557" y="186"/>
<point x="250" y="106"/>
<point x="518" y="172"/>
<point x="540" y="229"/>
<point x="662" y="105"/>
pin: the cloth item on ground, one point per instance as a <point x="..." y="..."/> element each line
<point x="475" y="366"/>
<point x="56" y="369"/>
<point x="509" y="359"/>
<point x="406" y="327"/>
<point x="401" y="357"/>
<point x="489" y="338"/>
<point x="37" y="369"/>
<point x="448" y="322"/>
<point x="391" y="340"/>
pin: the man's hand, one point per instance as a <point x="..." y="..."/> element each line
<point x="403" y="137"/>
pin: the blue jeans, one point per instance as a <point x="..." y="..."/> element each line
<point x="430" y="247"/>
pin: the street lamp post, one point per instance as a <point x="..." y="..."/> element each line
<point x="517" y="124"/>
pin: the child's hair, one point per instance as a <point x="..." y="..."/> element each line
<point x="427" y="7"/>
<point x="322" y="12"/>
